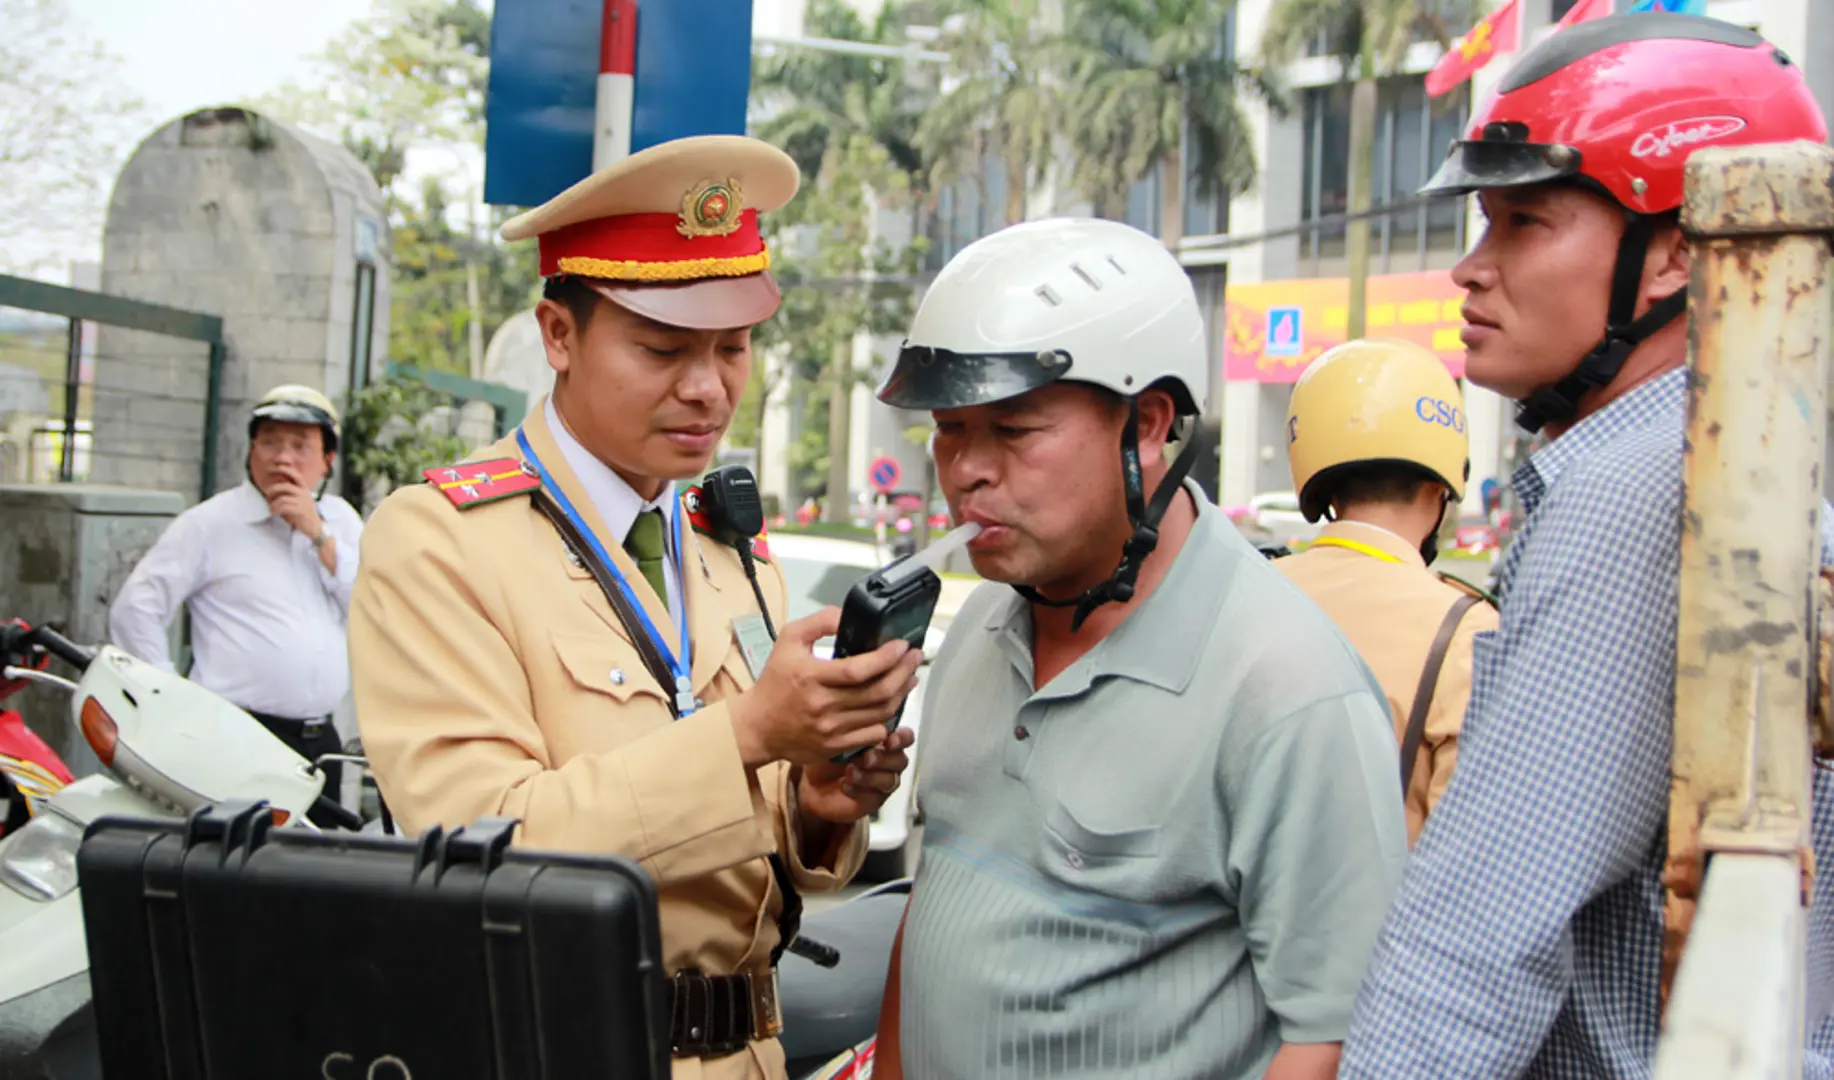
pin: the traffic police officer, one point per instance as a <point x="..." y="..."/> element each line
<point x="1377" y="442"/>
<point x="537" y="634"/>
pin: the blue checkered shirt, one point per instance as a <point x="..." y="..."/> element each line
<point x="1526" y="939"/>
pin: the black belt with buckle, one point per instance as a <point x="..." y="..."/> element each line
<point x="716" y="1015"/>
<point x="307" y="728"/>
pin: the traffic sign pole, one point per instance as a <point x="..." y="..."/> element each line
<point x="617" y="83"/>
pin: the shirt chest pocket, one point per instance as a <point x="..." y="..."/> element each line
<point x="612" y="666"/>
<point x="1121" y="862"/>
<point x="608" y="665"/>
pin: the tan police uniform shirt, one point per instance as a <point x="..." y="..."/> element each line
<point x="492" y="677"/>
<point x="1391" y="612"/>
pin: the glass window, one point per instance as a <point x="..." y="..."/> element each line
<point x="1409" y="126"/>
<point x="362" y="324"/>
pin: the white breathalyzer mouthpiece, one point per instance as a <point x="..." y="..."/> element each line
<point x="935" y="555"/>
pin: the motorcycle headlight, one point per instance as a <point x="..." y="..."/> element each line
<point x="39" y="861"/>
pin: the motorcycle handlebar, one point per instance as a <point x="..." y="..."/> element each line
<point x="17" y="641"/>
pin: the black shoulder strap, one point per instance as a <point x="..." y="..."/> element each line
<point x="790" y="919"/>
<point x="1429" y="678"/>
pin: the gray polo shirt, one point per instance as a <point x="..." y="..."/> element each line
<point x="1167" y="862"/>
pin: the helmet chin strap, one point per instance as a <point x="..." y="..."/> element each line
<point x="1559" y="403"/>
<point x="1144" y="517"/>
<point x="1429" y="548"/>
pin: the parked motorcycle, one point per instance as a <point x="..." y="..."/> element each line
<point x="167" y="746"/>
<point x="830" y="1014"/>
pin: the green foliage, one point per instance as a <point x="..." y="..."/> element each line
<point x="851" y="123"/>
<point x="68" y="120"/>
<point x="809" y="451"/>
<point x="1004" y="100"/>
<point x="430" y="313"/>
<point x="1370" y="37"/>
<point x="385" y="442"/>
<point x="1152" y="85"/>
<point x="811" y="101"/>
<point x="413" y="76"/>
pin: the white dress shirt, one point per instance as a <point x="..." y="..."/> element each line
<point x="618" y="505"/>
<point x="267" y="618"/>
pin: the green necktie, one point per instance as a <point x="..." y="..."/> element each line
<point x="645" y="546"/>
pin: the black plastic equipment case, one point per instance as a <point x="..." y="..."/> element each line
<point x="224" y="948"/>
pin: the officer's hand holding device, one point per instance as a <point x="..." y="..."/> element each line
<point x="895" y="604"/>
<point x="803" y="710"/>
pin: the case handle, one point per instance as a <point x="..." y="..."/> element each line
<point x="482" y="843"/>
<point x="236" y="824"/>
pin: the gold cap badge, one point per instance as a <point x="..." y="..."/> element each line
<point x="711" y="208"/>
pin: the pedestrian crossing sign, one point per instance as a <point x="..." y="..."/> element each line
<point x="1285" y="331"/>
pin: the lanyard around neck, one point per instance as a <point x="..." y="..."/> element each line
<point x="677" y="660"/>
<point x="1355" y="545"/>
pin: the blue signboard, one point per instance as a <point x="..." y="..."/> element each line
<point x="693" y="69"/>
<point x="693" y="77"/>
<point x="1285" y="331"/>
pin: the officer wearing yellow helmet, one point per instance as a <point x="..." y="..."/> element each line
<point x="1376" y="436"/>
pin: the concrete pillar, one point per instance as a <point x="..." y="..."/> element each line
<point x="1252" y="212"/>
<point x="64" y="554"/>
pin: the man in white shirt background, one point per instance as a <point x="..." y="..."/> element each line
<point x="266" y="570"/>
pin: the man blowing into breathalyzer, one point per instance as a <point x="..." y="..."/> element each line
<point x="1161" y="818"/>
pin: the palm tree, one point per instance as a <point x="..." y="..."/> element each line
<point x="834" y="112"/>
<point x="1150" y="84"/>
<point x="1001" y="100"/>
<point x="1369" y="37"/>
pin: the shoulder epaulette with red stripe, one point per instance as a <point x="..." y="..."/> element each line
<point x="473" y="483"/>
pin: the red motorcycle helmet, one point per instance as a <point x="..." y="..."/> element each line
<point x="1616" y="106"/>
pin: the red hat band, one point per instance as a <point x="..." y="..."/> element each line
<point x="658" y="247"/>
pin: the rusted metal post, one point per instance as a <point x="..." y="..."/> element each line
<point x="1760" y="309"/>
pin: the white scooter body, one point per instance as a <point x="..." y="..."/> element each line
<point x="169" y="746"/>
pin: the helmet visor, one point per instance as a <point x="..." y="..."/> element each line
<point x="294" y="412"/>
<point x="927" y="378"/>
<point x="1476" y="164"/>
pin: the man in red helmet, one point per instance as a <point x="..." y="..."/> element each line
<point x="1526" y="939"/>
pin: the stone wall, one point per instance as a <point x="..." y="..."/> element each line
<point x="229" y="213"/>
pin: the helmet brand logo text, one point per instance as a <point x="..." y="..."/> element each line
<point x="1664" y="140"/>
<point x="1444" y="413"/>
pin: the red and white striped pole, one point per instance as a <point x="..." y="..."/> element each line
<point x="617" y="83"/>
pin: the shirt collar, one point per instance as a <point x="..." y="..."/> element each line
<point x="1161" y="641"/>
<point x="1384" y="540"/>
<point x="1646" y="404"/>
<point x="252" y="504"/>
<point x="617" y="502"/>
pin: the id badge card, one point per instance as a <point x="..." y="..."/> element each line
<point x="754" y="642"/>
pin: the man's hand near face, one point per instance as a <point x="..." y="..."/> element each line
<point x="295" y="504"/>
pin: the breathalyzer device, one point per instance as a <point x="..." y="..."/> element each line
<point x="895" y="602"/>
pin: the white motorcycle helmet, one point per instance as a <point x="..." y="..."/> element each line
<point x="1072" y="299"/>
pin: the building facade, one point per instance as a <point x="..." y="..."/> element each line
<point x="1269" y="266"/>
<point x="1298" y="276"/>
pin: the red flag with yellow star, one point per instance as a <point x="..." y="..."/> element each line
<point x="1499" y="32"/>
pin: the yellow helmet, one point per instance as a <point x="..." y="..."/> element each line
<point x="296" y="404"/>
<point x="1375" y="400"/>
